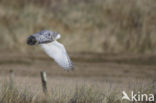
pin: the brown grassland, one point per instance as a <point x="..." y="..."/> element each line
<point x="111" y="43"/>
<point x="105" y="26"/>
<point x="92" y="81"/>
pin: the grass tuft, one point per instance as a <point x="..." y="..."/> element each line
<point x="81" y="94"/>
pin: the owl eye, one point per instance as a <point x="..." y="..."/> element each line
<point x="48" y="34"/>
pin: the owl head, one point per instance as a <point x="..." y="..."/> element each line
<point x="42" y="37"/>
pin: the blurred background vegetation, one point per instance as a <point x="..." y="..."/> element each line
<point x="99" y="26"/>
<point x="95" y="33"/>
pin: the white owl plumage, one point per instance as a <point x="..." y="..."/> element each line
<point x="47" y="40"/>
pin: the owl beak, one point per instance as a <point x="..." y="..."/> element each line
<point x="31" y="40"/>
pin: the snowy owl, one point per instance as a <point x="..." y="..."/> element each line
<point x="47" y="40"/>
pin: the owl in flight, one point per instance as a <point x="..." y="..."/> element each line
<point x="48" y="41"/>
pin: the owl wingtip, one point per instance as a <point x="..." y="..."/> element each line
<point x="70" y="69"/>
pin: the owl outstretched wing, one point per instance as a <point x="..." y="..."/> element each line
<point x="57" y="51"/>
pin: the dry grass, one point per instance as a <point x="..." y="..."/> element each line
<point x="92" y="81"/>
<point x="96" y="26"/>
<point x="82" y="93"/>
<point x="101" y="26"/>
